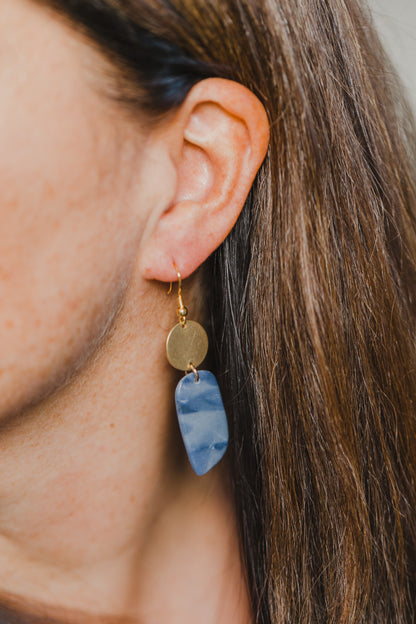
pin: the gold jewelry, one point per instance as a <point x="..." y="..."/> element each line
<point x="187" y="342"/>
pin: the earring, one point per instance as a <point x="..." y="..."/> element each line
<point x="199" y="406"/>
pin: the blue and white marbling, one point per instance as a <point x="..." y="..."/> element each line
<point x="202" y="420"/>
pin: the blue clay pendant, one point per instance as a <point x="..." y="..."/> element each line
<point x="202" y="420"/>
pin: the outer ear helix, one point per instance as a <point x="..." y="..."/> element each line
<point x="216" y="143"/>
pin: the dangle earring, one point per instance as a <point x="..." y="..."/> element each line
<point x="199" y="406"/>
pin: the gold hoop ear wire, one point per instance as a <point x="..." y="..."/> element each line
<point x="179" y="285"/>
<point x="182" y="309"/>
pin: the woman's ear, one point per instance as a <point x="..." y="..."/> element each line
<point x="216" y="142"/>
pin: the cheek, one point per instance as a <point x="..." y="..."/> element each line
<point x="66" y="241"/>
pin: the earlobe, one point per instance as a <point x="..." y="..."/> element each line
<point x="220" y="138"/>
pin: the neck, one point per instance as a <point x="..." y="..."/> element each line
<point x="100" y="510"/>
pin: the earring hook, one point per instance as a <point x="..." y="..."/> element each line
<point x="182" y="309"/>
<point x="179" y="282"/>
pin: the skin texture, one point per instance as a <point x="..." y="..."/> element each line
<point x="100" y="510"/>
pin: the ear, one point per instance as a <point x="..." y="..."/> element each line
<point x="217" y="142"/>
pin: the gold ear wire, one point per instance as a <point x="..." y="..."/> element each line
<point x="179" y="280"/>
<point x="179" y="285"/>
<point x="182" y="309"/>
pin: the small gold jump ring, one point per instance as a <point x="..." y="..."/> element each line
<point x="194" y="370"/>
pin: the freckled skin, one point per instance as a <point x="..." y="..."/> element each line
<point x="61" y="276"/>
<point x="100" y="511"/>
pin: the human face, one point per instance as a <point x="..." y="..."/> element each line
<point x="69" y="229"/>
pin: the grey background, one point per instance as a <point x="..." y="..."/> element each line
<point x="396" y="22"/>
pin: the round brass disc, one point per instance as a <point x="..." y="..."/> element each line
<point x="186" y="344"/>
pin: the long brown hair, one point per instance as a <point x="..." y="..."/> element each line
<point x="312" y="304"/>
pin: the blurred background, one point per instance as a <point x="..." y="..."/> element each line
<point x="396" y="21"/>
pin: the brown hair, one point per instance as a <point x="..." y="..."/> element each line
<point x="312" y="302"/>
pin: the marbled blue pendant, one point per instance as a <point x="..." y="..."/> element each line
<point x="202" y="420"/>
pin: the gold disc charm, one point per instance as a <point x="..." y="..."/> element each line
<point x="187" y="344"/>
